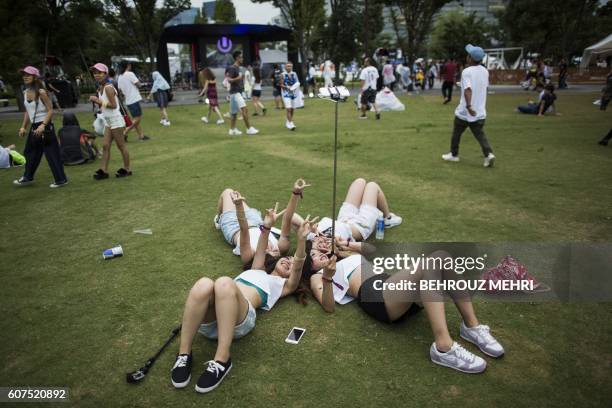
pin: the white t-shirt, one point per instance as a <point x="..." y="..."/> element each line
<point x="343" y="230"/>
<point x="271" y="285"/>
<point x="254" y="234"/>
<point x="369" y="75"/>
<point x="341" y="284"/>
<point x="477" y="79"/>
<point x="127" y="84"/>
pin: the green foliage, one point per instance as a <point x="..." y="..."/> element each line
<point x="201" y="17"/>
<point x="555" y="28"/>
<point x="225" y="12"/>
<point x="453" y="31"/>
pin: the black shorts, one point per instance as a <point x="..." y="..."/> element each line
<point x="375" y="304"/>
<point x="368" y="96"/>
<point x="256" y="93"/>
<point x="276" y="92"/>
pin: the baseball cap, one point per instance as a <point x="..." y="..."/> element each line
<point x="31" y="71"/>
<point x="476" y="53"/>
<point x="100" y="67"/>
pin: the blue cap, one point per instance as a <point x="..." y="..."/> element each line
<point x="476" y="53"/>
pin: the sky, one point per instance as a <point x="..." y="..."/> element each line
<point x="248" y="12"/>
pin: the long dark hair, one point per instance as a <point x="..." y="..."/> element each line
<point x="208" y="74"/>
<point x="36" y="85"/>
<point x="257" y="74"/>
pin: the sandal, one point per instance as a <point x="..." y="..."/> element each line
<point x="123" y="172"/>
<point x="100" y="175"/>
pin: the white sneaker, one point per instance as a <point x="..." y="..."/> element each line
<point x="22" y="181"/>
<point x="288" y="125"/>
<point x="450" y="157"/>
<point x="489" y="161"/>
<point x="458" y="358"/>
<point x="216" y="222"/>
<point x="292" y="126"/>
<point x="204" y="119"/>
<point x="58" y="185"/>
<point x="165" y="123"/>
<point x="226" y="115"/>
<point x="220" y="122"/>
<point x="161" y="122"/>
<point x="392" y="220"/>
<point x="480" y="336"/>
<point x="234" y="132"/>
<point x="252" y="131"/>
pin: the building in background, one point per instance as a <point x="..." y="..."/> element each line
<point x="483" y="8"/>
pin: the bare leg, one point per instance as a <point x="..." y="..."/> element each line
<point x="233" y="121"/>
<point x="374" y="196"/>
<point x="216" y="108"/>
<point x="355" y="192"/>
<point x="245" y="116"/>
<point x="231" y="308"/>
<point x="120" y="141"/>
<point x="198" y="301"/>
<point x="106" y="144"/>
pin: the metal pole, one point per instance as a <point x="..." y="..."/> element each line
<point x="334" y="183"/>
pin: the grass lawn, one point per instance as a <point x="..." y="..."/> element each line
<point x="72" y="319"/>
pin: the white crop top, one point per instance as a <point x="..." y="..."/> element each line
<point x="344" y="268"/>
<point x="270" y="287"/>
<point x="35" y="113"/>
<point x="108" y="112"/>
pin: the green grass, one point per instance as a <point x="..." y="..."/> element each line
<point x="73" y="319"/>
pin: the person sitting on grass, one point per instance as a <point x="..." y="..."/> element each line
<point x="345" y="281"/>
<point x="114" y="124"/>
<point x="210" y="90"/>
<point x="224" y="309"/>
<point x="236" y="219"/>
<point x="9" y="157"/>
<point x="546" y="104"/>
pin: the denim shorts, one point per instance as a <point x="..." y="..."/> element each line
<point x="209" y="330"/>
<point x="236" y="103"/>
<point x="135" y="109"/>
<point x="229" y="222"/>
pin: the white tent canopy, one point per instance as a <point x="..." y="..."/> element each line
<point x="601" y="49"/>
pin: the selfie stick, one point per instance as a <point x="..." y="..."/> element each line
<point x="334" y="94"/>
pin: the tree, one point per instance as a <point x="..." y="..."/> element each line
<point x="564" y="28"/>
<point x="201" y="17"/>
<point x="415" y="17"/>
<point x="225" y="12"/>
<point x="453" y="31"/>
<point x="303" y="17"/>
<point x="140" y="23"/>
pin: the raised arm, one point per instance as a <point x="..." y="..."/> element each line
<point x="322" y="286"/>
<point x="297" y="192"/>
<point x="262" y="244"/>
<point x="298" y="260"/>
<point x="246" y="252"/>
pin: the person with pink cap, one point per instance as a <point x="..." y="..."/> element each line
<point x="114" y="124"/>
<point x="41" y="137"/>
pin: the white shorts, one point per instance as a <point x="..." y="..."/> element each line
<point x="289" y="103"/>
<point x="363" y="218"/>
<point x="236" y="103"/>
<point x="209" y="330"/>
<point x="114" y="122"/>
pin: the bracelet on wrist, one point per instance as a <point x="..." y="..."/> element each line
<point x="263" y="228"/>
<point x="327" y="279"/>
<point x="298" y="193"/>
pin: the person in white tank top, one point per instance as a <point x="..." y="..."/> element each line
<point x="41" y="138"/>
<point x="224" y="309"/>
<point x="108" y="101"/>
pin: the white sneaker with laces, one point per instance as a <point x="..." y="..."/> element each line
<point x="216" y="222"/>
<point x="252" y="131"/>
<point x="204" y="119"/>
<point x="234" y="132"/>
<point x="58" y="185"/>
<point x="458" y="358"/>
<point x="220" y="122"/>
<point x="489" y="161"/>
<point x="450" y="157"/>
<point x="392" y="220"/>
<point x="480" y="336"/>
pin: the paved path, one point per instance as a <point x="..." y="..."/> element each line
<point x="190" y="97"/>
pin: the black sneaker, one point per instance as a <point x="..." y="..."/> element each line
<point x="378" y="116"/>
<point x="213" y="375"/>
<point x="264" y="111"/>
<point x="181" y="372"/>
<point x="144" y="138"/>
<point x="603" y="142"/>
<point x="100" y="175"/>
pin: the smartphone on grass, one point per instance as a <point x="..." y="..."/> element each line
<point x="295" y="335"/>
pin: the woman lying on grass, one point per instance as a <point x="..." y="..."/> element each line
<point x="343" y="282"/>
<point x="236" y="219"/>
<point x="225" y="309"/>
<point x="365" y="202"/>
